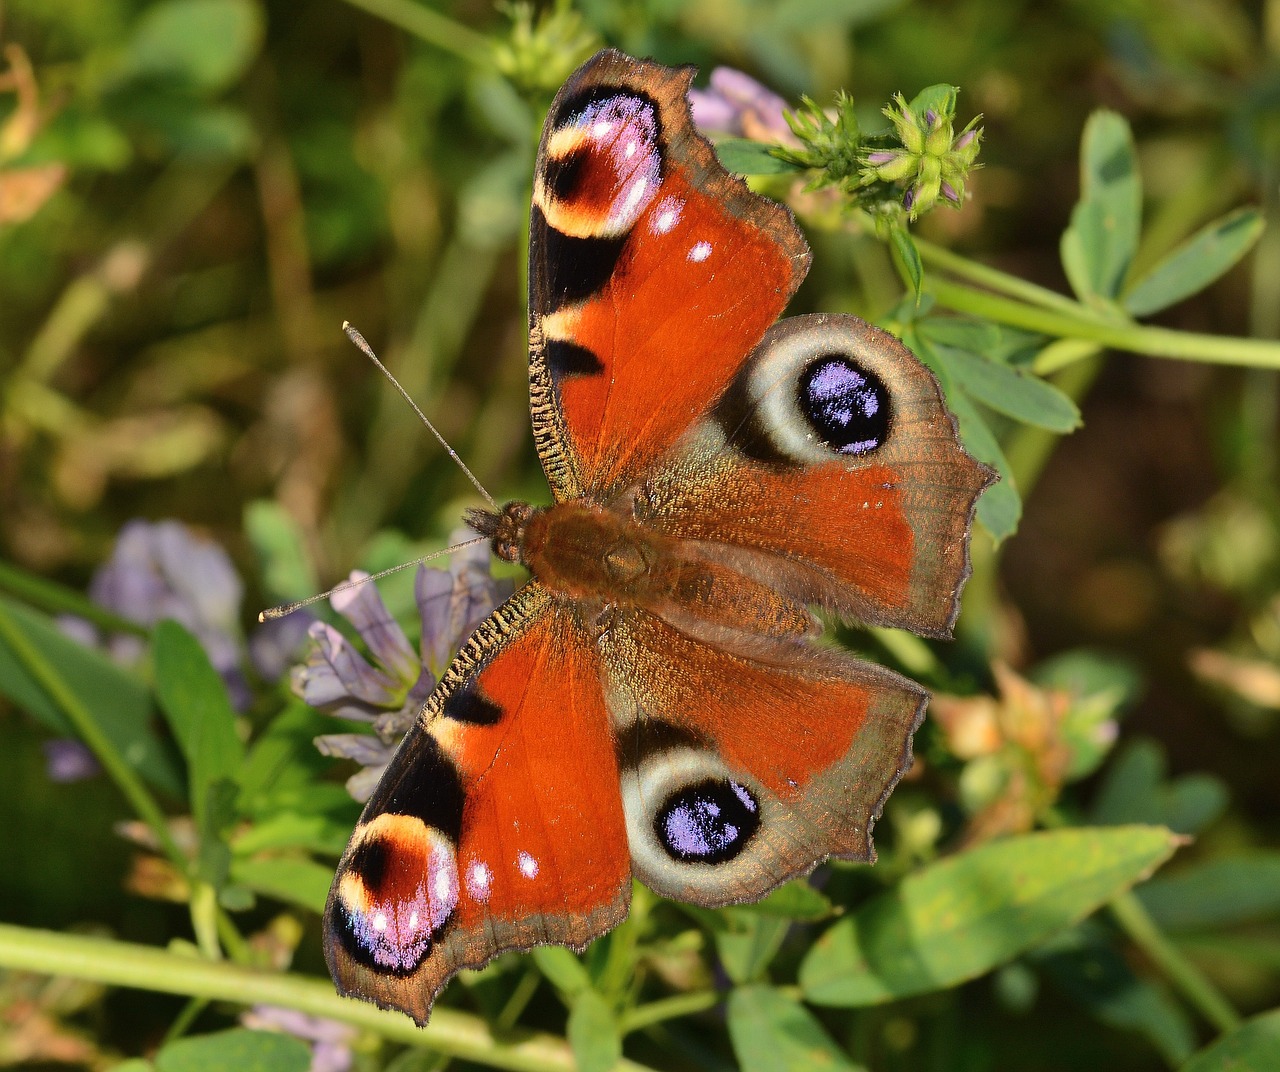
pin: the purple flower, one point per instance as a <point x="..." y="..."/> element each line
<point x="330" y="1040"/>
<point x="389" y="689"/>
<point x="68" y="760"/>
<point x="163" y="570"/>
<point x="737" y="105"/>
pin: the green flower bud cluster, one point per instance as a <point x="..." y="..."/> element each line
<point x="931" y="161"/>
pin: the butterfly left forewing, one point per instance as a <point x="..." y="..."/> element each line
<point x="652" y="271"/>
<point x="498" y="823"/>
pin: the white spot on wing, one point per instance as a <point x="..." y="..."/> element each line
<point x="667" y="215"/>
<point x="479" y="880"/>
<point x="625" y="210"/>
<point x="527" y="864"/>
<point x="380" y="922"/>
<point x="700" y="252"/>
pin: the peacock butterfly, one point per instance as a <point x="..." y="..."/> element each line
<point x="653" y="702"/>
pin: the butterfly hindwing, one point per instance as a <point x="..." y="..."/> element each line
<point x="831" y="469"/>
<point x="741" y="771"/>
<point x="498" y="823"/>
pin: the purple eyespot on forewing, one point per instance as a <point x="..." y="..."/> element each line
<point x="399" y="892"/>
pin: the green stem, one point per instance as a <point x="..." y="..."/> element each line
<point x="430" y="26"/>
<point x="655" y="1012"/>
<point x="1003" y="283"/>
<point x="115" y="963"/>
<point x="56" y="599"/>
<point x="1193" y="984"/>
<point x="204" y="919"/>
<point x="126" y="779"/>
<point x="1139" y="339"/>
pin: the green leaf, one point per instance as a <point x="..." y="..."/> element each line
<point x="1252" y="1047"/>
<point x="593" y="1033"/>
<point x="293" y="880"/>
<point x="961" y="917"/>
<point x="118" y="701"/>
<point x="907" y="258"/>
<point x="204" y="44"/>
<point x="1216" y="893"/>
<point x="796" y="901"/>
<point x="1135" y="791"/>
<point x="278" y="543"/>
<point x="1196" y="263"/>
<point x="194" y="700"/>
<point x="564" y="970"/>
<point x="1000" y="508"/>
<point x="1099" y="244"/>
<point x="283" y="766"/>
<point x="1020" y="395"/>
<point x="749" y="944"/>
<point x="239" y="1048"/>
<point x="771" y="1032"/>
<point x="743" y="156"/>
<point x="941" y="98"/>
<point x="1084" y="964"/>
<point x="295" y="830"/>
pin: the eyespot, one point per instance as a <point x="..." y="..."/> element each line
<point x="710" y="821"/>
<point x="847" y="405"/>
<point x="397" y="893"/>
<point x="817" y="389"/>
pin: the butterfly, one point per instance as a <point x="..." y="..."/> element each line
<point x="654" y="702"/>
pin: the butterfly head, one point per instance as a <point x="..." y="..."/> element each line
<point x="505" y="528"/>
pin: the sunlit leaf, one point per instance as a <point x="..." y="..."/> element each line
<point x="293" y="880"/>
<point x="239" y="1048"/>
<point x="1099" y="244"/>
<point x="205" y="44"/>
<point x="194" y="700"/>
<point x="907" y="256"/>
<point x="1000" y="508"/>
<point x="1196" y="263"/>
<point x="1016" y="394"/>
<point x="742" y="156"/>
<point x="961" y="917"/>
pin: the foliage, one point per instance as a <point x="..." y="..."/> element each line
<point x="194" y="194"/>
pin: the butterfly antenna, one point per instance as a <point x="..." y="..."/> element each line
<point x="367" y="350"/>
<point x="289" y="608"/>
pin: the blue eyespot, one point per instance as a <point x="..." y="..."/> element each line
<point x="846" y="405"/>
<point x="708" y="822"/>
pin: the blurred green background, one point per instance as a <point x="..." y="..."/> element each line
<point x="195" y="194"/>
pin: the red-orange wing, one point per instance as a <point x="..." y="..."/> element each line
<point x="741" y="770"/>
<point x="652" y="274"/>
<point x="830" y="470"/>
<point x="498" y="824"/>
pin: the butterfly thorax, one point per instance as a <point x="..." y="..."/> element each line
<point x="599" y="557"/>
